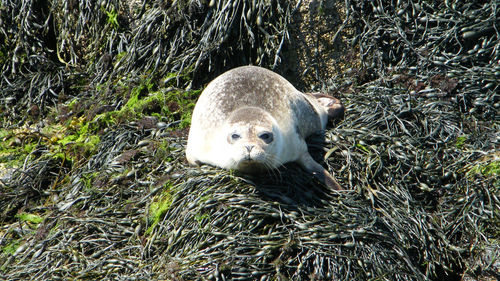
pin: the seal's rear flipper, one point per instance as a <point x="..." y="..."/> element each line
<point x="328" y="180"/>
<point x="333" y="106"/>
<point x="318" y="171"/>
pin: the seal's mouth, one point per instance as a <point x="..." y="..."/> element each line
<point x="250" y="166"/>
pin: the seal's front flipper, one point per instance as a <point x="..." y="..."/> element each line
<point x="318" y="171"/>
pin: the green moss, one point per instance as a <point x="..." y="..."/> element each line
<point x="71" y="105"/>
<point x="80" y="140"/>
<point x="162" y="151"/>
<point x="460" y="142"/>
<point x="4" y="133"/>
<point x="487" y="169"/>
<point x="185" y="120"/>
<point x="145" y="99"/>
<point x="159" y="207"/>
<point x="18" y="146"/>
<point x="27" y="217"/>
<point x="99" y="87"/>
<point x="113" y="18"/>
<point x="120" y="55"/>
<point x="87" y="139"/>
<point x="11" y="157"/>
<point x="487" y="166"/>
<point x="492" y="169"/>
<point x="362" y="147"/>
<point x="11" y="247"/>
<point x="202" y="219"/>
<point x="88" y="180"/>
<point x="52" y="130"/>
<point x="15" y="146"/>
<point x="173" y="79"/>
<point x="88" y="144"/>
<point x="172" y="105"/>
<point x="68" y="139"/>
<point x="29" y="147"/>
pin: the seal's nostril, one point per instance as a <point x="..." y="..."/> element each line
<point x="249" y="147"/>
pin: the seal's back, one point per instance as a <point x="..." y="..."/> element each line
<point x="252" y="86"/>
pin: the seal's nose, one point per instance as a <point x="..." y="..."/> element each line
<point x="249" y="147"/>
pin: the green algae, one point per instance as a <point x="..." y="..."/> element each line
<point x="113" y="18"/>
<point x="164" y="104"/>
<point x="16" y="145"/>
<point x="488" y="169"/>
<point x="77" y="138"/>
<point x="159" y="207"/>
<point x="460" y="142"/>
<point x="31" y="218"/>
<point x="11" y="248"/>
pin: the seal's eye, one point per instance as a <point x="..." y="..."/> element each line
<point x="267" y="137"/>
<point x="233" y="137"/>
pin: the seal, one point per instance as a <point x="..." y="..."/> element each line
<point x="251" y="119"/>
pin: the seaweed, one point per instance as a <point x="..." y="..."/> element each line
<point x="95" y="103"/>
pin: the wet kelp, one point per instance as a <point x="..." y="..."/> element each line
<point x="201" y="36"/>
<point x="451" y="48"/>
<point x="105" y="192"/>
<point x="49" y="50"/>
<point x="53" y="50"/>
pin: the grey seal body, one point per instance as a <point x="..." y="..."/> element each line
<point x="250" y="119"/>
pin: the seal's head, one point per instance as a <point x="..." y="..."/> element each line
<point x="253" y="139"/>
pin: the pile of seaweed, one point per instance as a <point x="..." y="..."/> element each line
<point x="96" y="99"/>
